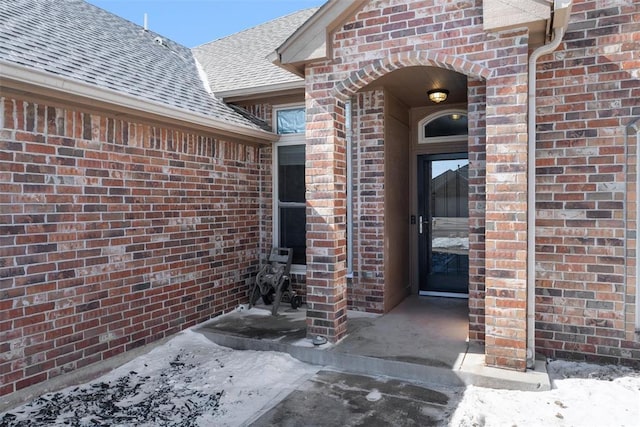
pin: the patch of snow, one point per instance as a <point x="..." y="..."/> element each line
<point x="356" y="314"/>
<point x="187" y="379"/>
<point x="308" y="343"/>
<point x="190" y="381"/>
<point x="583" y="395"/>
<point x="255" y="311"/>
<point x="450" y="242"/>
<point x="374" y="395"/>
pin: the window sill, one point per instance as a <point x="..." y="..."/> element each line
<point x="300" y="270"/>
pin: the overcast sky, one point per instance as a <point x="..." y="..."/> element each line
<point x="194" y="22"/>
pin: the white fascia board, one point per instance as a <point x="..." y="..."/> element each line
<point x="253" y="92"/>
<point x="48" y="81"/>
<point x="561" y="13"/>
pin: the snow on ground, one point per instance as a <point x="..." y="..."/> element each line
<point x="583" y="395"/>
<point x="189" y="381"/>
<point x="450" y="243"/>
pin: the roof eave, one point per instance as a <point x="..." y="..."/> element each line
<point x="277" y="89"/>
<point x="311" y="41"/>
<point x="47" y="84"/>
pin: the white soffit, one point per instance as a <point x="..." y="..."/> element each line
<point x="502" y="14"/>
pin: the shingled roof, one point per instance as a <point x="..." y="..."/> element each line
<point x="239" y="61"/>
<point x="79" y="41"/>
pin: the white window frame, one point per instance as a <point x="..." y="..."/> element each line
<point x="633" y="138"/>
<point x="431" y="117"/>
<point x="285" y="140"/>
<point x="637" y="129"/>
<point x="348" y="111"/>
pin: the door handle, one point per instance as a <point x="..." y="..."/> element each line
<point x="420" y="221"/>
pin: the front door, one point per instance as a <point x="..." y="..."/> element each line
<point x="443" y="224"/>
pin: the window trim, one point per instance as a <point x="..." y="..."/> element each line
<point x="632" y="138"/>
<point x="636" y="125"/>
<point x="285" y="140"/>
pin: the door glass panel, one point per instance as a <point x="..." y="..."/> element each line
<point x="446" y="226"/>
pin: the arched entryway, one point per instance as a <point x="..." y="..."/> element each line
<point x="386" y="101"/>
<point x="495" y="68"/>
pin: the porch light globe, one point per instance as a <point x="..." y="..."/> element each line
<point x="438" y="95"/>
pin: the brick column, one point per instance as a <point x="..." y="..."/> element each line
<point x="369" y="275"/>
<point x="477" y="182"/>
<point x="326" y="214"/>
<point x="506" y="204"/>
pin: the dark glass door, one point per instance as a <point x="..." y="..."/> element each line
<point x="443" y="224"/>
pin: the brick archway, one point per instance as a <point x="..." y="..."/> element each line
<point x="378" y="68"/>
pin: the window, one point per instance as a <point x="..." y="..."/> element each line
<point x="444" y="126"/>
<point x="290" y="215"/>
<point x="290" y="121"/>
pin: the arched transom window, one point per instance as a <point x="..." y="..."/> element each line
<point x="443" y="126"/>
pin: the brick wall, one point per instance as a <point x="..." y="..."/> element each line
<point x="367" y="289"/>
<point x="264" y="111"/>
<point x="114" y="234"/>
<point x="477" y="171"/>
<point x="325" y="178"/>
<point x="588" y="92"/>
<point x="506" y="203"/>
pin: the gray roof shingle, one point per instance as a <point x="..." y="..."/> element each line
<point x="77" y="40"/>
<point x="239" y="61"/>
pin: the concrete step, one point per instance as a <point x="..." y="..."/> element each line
<point x="469" y="369"/>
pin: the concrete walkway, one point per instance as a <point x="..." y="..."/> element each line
<point x="333" y="398"/>
<point x="423" y="340"/>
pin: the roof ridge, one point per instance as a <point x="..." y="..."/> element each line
<point x="256" y="26"/>
<point x="141" y="27"/>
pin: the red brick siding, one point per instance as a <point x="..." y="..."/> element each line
<point x="588" y="92"/>
<point x="264" y="111"/>
<point x="367" y="288"/>
<point x="477" y="170"/>
<point x="266" y="200"/>
<point x="506" y="204"/>
<point x="114" y="234"/>
<point x="326" y="208"/>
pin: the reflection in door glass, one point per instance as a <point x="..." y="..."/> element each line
<point x="449" y="211"/>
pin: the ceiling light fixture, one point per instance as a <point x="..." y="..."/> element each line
<point x="455" y="116"/>
<point x="438" y="95"/>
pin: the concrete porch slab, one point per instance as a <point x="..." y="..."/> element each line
<point x="333" y="398"/>
<point x="423" y="339"/>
